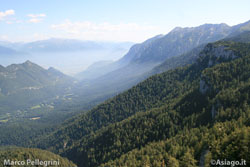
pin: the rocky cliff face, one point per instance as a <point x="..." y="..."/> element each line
<point x="215" y="54"/>
<point x="211" y="55"/>
<point x="204" y="87"/>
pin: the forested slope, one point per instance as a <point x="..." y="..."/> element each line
<point x="192" y="147"/>
<point x="17" y="156"/>
<point x="214" y="89"/>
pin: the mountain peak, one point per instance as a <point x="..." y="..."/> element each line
<point x="28" y="62"/>
<point x="26" y="65"/>
<point x="2" y="68"/>
<point x="177" y="29"/>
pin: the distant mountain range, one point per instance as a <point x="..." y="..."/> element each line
<point x="8" y="51"/>
<point x="68" y="55"/>
<point x="63" y="45"/>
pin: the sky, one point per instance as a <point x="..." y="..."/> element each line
<point x="112" y="20"/>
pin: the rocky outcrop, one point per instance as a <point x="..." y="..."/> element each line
<point x="204" y="86"/>
<point x="203" y="158"/>
<point x="215" y="108"/>
<point x="217" y="54"/>
<point x="211" y="55"/>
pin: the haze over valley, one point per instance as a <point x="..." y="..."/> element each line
<point x="67" y="55"/>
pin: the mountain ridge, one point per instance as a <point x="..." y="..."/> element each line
<point x="140" y="60"/>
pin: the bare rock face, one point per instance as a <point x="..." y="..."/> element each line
<point x="214" y="108"/>
<point x="202" y="158"/>
<point x="218" y="54"/>
<point x="204" y="86"/>
<point x="212" y="55"/>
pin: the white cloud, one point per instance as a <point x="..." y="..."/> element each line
<point x="36" y="15"/>
<point x="36" y="18"/>
<point x="6" y="13"/>
<point x="107" y="31"/>
<point x="4" y="37"/>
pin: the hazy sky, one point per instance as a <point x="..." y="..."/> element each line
<point x="116" y="20"/>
